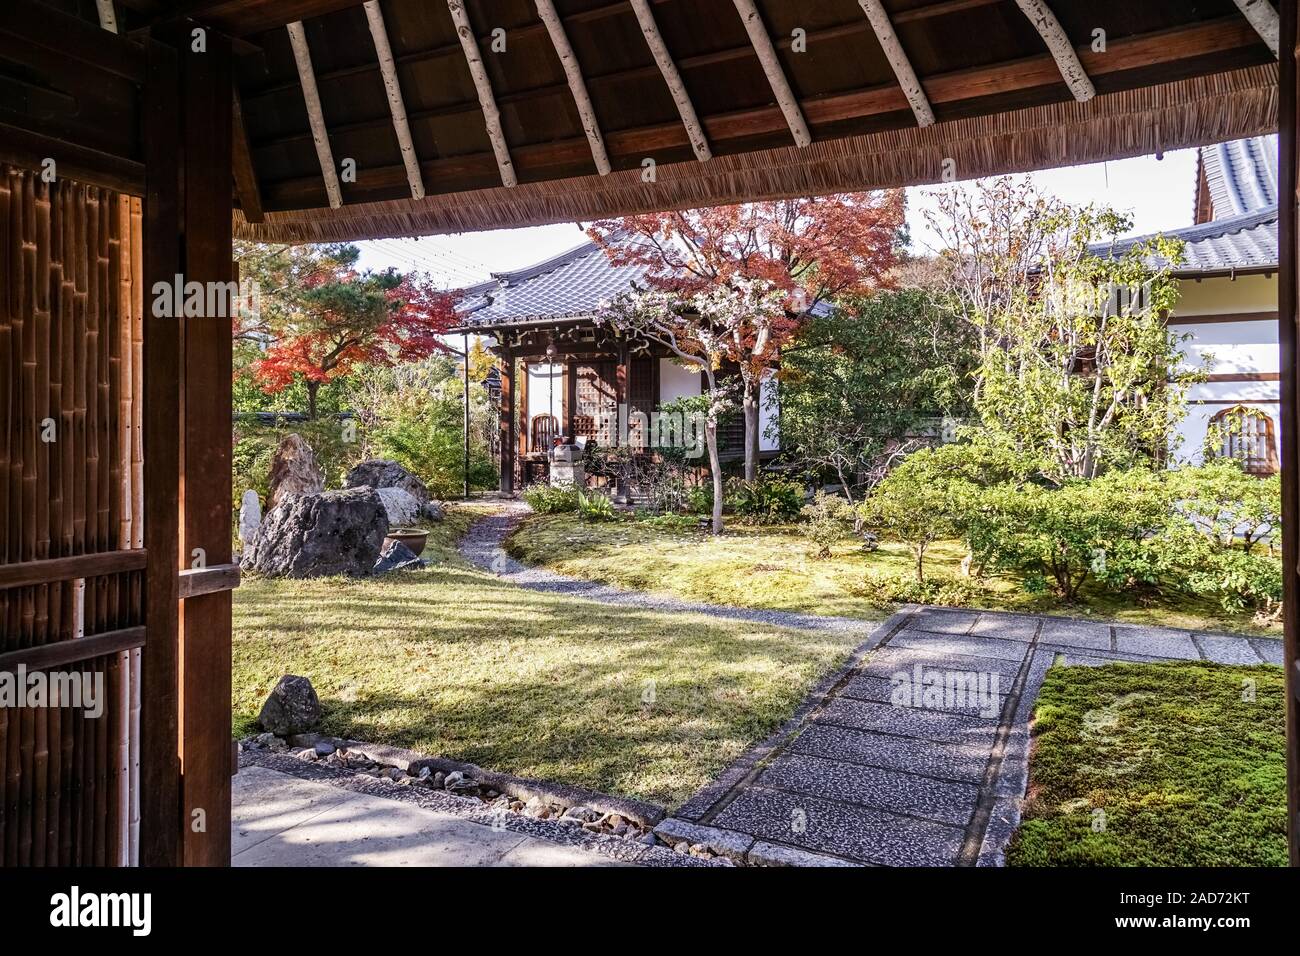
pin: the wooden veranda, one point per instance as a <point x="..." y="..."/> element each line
<point x="140" y="136"/>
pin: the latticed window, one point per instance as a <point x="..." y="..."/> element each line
<point x="1246" y="434"/>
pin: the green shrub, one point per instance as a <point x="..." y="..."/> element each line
<point x="827" y="521"/>
<point x="547" y="500"/>
<point x="1230" y="506"/>
<point x="765" y="500"/>
<point x="699" y="500"/>
<point x="925" y="499"/>
<point x="887" y="589"/>
<point x="595" y="507"/>
<point x="1113" y="529"/>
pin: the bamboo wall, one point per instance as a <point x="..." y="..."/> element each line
<point x="71" y="335"/>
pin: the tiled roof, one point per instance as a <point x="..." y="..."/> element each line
<point x="1241" y="175"/>
<point x="1242" y="180"/>
<point x="1246" y="241"/>
<point x="570" y="285"/>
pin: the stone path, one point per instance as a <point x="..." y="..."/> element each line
<point x="283" y="820"/>
<point x="861" y="775"/>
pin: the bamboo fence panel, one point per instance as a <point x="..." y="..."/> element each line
<point x="71" y="483"/>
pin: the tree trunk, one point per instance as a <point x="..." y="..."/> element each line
<point x="313" y="387"/>
<point x="749" y="403"/>
<point x="711" y="437"/>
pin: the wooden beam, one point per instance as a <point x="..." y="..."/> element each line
<point x="45" y="27"/>
<point x="396" y="105"/>
<point x="483" y="86"/>
<point x="196" y="582"/>
<point x="898" y="60"/>
<point x="699" y="140"/>
<point x="24" y="147"/>
<point x="506" y="421"/>
<point x="246" y="185"/>
<point x="1288" y="307"/>
<point x="766" y="53"/>
<point x="1062" y="50"/>
<point x="62" y="653"/>
<point x="1263" y="18"/>
<point x="48" y="570"/>
<point x="577" y="85"/>
<point x="315" y="115"/>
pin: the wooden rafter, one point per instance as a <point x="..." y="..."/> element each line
<point x="577" y="84"/>
<point x="898" y="60"/>
<point x="1059" y="45"/>
<point x="766" y="53"/>
<point x="664" y="60"/>
<point x="486" y="98"/>
<point x="107" y="15"/>
<point x="315" y="116"/>
<point x="1165" y="48"/>
<point x="1263" y="18"/>
<point x="396" y="105"/>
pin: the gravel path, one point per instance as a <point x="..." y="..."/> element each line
<point x="858" y="777"/>
<point x="483" y="547"/>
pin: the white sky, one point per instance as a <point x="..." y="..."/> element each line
<point x="1158" y="194"/>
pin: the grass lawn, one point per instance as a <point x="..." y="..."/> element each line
<point x="773" y="567"/>
<point x="451" y="661"/>
<point x="1186" y="771"/>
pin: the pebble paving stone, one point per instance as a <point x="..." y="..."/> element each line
<point x="1269" y="650"/>
<point x="969" y="646"/>
<point x="866" y="687"/>
<point x="888" y="662"/>
<point x="856" y="832"/>
<point x="1070" y="633"/>
<point x="936" y="725"/>
<point x="916" y="796"/>
<point x="1156" y="642"/>
<point x="940" y="620"/>
<point x="1008" y="627"/>
<point x="953" y="761"/>
<point x="1229" y="650"/>
<point x="859" y="780"/>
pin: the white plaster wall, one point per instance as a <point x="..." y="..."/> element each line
<point x="677" y="382"/>
<point x="1236" y="348"/>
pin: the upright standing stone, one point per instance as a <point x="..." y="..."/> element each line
<point x="250" y="516"/>
<point x="293" y="471"/>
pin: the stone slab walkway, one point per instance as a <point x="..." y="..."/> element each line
<point x="863" y="776"/>
<point x="883" y="770"/>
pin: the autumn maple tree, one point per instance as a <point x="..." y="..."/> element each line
<point x="804" y="251"/>
<point x="327" y="317"/>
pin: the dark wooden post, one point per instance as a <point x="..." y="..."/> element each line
<point x="186" y="748"/>
<point x="205" y="541"/>
<point x="507" y="420"/>
<point x="160" y="809"/>
<point x="1288" y="294"/>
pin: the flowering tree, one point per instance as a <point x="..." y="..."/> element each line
<point x="784" y="257"/>
<point x="329" y="318"/>
<point x="695" y="328"/>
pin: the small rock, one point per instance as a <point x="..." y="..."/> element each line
<point x="682" y="848"/>
<point x="584" y="814"/>
<point x="307" y="755"/>
<point x="324" y="748"/>
<point x="425" y="773"/>
<point x="439" y="779"/>
<point x="291" y="708"/>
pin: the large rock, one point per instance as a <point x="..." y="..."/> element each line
<point x="293" y="471"/>
<point x="403" y="509"/>
<point x="306" y="536"/>
<point x="292" y="708"/>
<point x="384" y="473"/>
